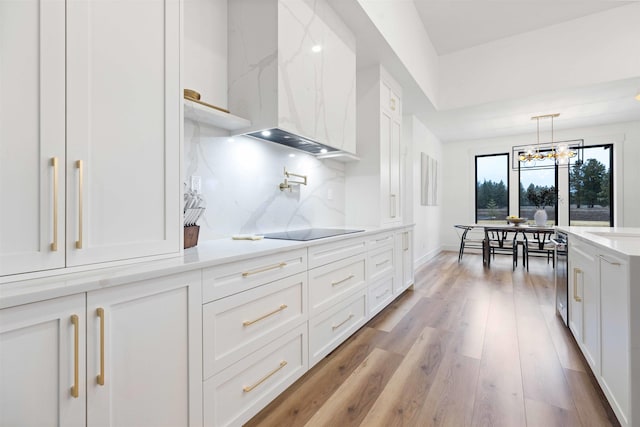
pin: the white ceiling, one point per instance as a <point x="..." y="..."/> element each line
<point x="456" y="25"/>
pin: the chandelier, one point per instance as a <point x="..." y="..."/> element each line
<point x="559" y="153"/>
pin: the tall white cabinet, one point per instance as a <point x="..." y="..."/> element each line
<point x="374" y="184"/>
<point x="90" y="132"/>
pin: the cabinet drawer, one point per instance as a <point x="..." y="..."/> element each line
<point x="240" y="324"/>
<point x="335" y="251"/>
<point x="235" y="277"/>
<point x="236" y="394"/>
<point x="380" y="294"/>
<point x="331" y="328"/>
<point x="381" y="263"/>
<point x="379" y="241"/>
<point x="330" y="283"/>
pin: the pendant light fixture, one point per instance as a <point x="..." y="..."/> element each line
<point x="560" y="154"/>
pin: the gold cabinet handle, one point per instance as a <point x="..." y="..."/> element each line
<point x="609" y="262"/>
<point x="334" y="327"/>
<point x="79" y="166"/>
<point x="382" y="263"/>
<point x="76" y="354"/>
<point x="351" y="276"/>
<point x="54" y="244"/>
<point x="248" y="388"/>
<point x="392" y="104"/>
<point x="262" y="270"/>
<point x="382" y="294"/>
<point x="392" y="207"/>
<point x="264" y="316"/>
<point x="576" y="271"/>
<point x="405" y="240"/>
<point x="100" y="313"/>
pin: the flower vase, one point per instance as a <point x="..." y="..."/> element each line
<point x="540" y="217"/>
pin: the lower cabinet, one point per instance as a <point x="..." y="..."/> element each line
<point x="237" y="393"/>
<point x="143" y="357"/>
<point x="404" y="257"/>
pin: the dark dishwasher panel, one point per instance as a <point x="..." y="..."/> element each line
<point x="562" y="279"/>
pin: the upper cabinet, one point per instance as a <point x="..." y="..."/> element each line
<point x="292" y="67"/>
<point x="379" y="147"/>
<point x="89" y="146"/>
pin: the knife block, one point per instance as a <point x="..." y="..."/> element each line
<point x="191" y="236"/>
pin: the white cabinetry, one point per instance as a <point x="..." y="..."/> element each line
<point x="404" y="257"/>
<point x="584" y="305"/>
<point x="379" y="125"/>
<point x="143" y="357"/>
<point x="89" y="163"/>
<point x="254" y="334"/>
<point x="615" y="330"/>
<point x="601" y="298"/>
<point x="42" y="364"/>
<point x="337" y="294"/>
<point x="382" y="271"/>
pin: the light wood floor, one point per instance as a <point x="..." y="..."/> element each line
<point x="468" y="346"/>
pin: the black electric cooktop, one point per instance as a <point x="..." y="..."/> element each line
<point x="309" y="234"/>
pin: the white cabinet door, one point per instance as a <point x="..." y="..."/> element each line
<point x="42" y="363"/>
<point x="390" y="129"/>
<point x="123" y="129"/>
<point x="404" y="266"/>
<point x="144" y="353"/>
<point x="614" y="306"/>
<point x="32" y="134"/>
<point x="586" y="300"/>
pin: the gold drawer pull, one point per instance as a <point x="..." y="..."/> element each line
<point x="382" y="263"/>
<point x="247" y="389"/>
<point x="609" y="262"/>
<point x="334" y="327"/>
<point x="576" y="271"/>
<point x="351" y="276"/>
<point x="54" y="244"/>
<point x="76" y="355"/>
<point x="264" y="316"/>
<point x="262" y="270"/>
<point x="100" y="313"/>
<point x="382" y="294"/>
<point x="80" y="202"/>
<point x="392" y="104"/>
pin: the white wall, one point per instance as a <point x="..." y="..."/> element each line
<point x="400" y="24"/>
<point x="240" y="178"/>
<point x="418" y="139"/>
<point x="459" y="173"/>
<point x="593" y="49"/>
<point x="204" y="57"/>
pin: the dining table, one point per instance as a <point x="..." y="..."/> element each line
<point x="533" y="229"/>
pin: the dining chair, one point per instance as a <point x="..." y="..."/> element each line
<point x="501" y="241"/>
<point x="539" y="241"/>
<point x="469" y="238"/>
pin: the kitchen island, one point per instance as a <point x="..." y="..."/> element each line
<point x="604" y="267"/>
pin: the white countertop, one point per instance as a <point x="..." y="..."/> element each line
<point x="206" y="254"/>
<point x="624" y="240"/>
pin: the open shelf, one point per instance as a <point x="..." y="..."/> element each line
<point x="203" y="114"/>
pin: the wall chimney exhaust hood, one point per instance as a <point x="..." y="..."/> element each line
<point x="292" y="72"/>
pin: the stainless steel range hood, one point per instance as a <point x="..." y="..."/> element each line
<point x="289" y="139"/>
<point x="292" y="73"/>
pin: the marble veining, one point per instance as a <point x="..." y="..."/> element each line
<point x="240" y="178"/>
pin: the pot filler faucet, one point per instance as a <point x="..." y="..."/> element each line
<point x="287" y="183"/>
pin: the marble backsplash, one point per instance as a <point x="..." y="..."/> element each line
<point x="240" y="178"/>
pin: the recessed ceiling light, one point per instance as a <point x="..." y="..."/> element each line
<point x="292" y="155"/>
<point x="316" y="48"/>
<point x="266" y="133"/>
<point x="230" y="139"/>
<point x="324" y="150"/>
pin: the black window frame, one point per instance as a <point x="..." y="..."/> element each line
<point x="475" y="182"/>
<point x="555" y="184"/>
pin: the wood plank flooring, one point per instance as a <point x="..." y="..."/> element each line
<point x="468" y="346"/>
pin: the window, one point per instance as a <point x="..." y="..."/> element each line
<point x="591" y="188"/>
<point x="537" y="180"/>
<point x="492" y="188"/>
